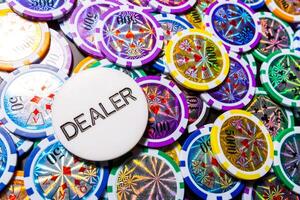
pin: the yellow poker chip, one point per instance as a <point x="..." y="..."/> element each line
<point x="22" y="42"/>
<point x="242" y="145"/>
<point x="197" y="60"/>
<point x="285" y="9"/>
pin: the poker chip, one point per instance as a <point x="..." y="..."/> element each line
<point x="41" y="10"/>
<point x="286" y="159"/>
<point x="137" y="39"/>
<point x="8" y="155"/>
<point x="3" y="75"/>
<point x="26" y="99"/>
<point x="21" y="144"/>
<point x="90" y="62"/>
<point x="238" y="88"/>
<point x="141" y="3"/>
<point x="286" y="10"/>
<point x="15" y="190"/>
<point x="196" y="15"/>
<point x="138" y="176"/>
<point x="280" y="76"/>
<point x="268" y="187"/>
<point x="168" y="6"/>
<point x="173" y="151"/>
<point x="52" y="172"/>
<point x="251" y="61"/>
<point x="171" y="24"/>
<point x="168" y="111"/>
<point x="274" y="117"/>
<point x="296" y="41"/>
<point x="254" y="4"/>
<point x="242" y="145"/>
<point x="201" y="171"/>
<point x="198" y="110"/>
<point x="22" y="41"/>
<point x="240" y="33"/>
<point x="84" y="21"/>
<point x="59" y="54"/>
<point x="188" y="66"/>
<point x="276" y="35"/>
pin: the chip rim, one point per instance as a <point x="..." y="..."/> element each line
<point x="251" y="61"/>
<point x="6" y="121"/>
<point x="111" y="186"/>
<point x="179" y="78"/>
<point x="268" y="15"/>
<point x="41" y="15"/>
<point x="195" y="135"/>
<point x="277" y="166"/>
<point x="217" y="104"/>
<point x="129" y="63"/>
<point x="182" y="124"/>
<point x="157" y="6"/>
<point x="256" y="5"/>
<point x="221" y="158"/>
<point x="264" y="78"/>
<point x="230" y="47"/>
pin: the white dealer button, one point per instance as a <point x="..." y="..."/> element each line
<point x="100" y="114"/>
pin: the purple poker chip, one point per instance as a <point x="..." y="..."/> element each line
<point x="238" y="88"/>
<point x="171" y="6"/>
<point x="83" y="22"/>
<point x="129" y="36"/>
<point x="42" y="10"/>
<point x="141" y="3"/>
<point x="234" y="23"/>
<point x="168" y="111"/>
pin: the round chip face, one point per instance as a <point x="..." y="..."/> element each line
<point x="238" y="88"/>
<point x="286" y="10"/>
<point x="21" y="41"/>
<point x="286" y="160"/>
<point x="84" y="21"/>
<point x="254" y="4"/>
<point x="274" y="117"/>
<point x="268" y="187"/>
<point x="280" y="76"/>
<point x="171" y="24"/>
<point x="26" y="100"/>
<point x="8" y="158"/>
<point x="129" y="36"/>
<point x="50" y="163"/>
<point x="59" y="54"/>
<point x="276" y="35"/>
<point x="201" y="171"/>
<point x="240" y="33"/>
<point x="167" y="6"/>
<point x="242" y="145"/>
<point x="196" y="15"/>
<point x="90" y="62"/>
<point x="41" y="10"/>
<point x="140" y="178"/>
<point x="15" y="189"/>
<point x="95" y="110"/>
<point x="197" y="60"/>
<point x="168" y="111"/>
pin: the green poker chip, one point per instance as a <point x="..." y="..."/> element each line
<point x="280" y="76"/>
<point x="276" y="35"/>
<point x="287" y="158"/>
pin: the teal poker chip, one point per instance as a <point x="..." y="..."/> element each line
<point x="8" y="158"/>
<point x="146" y="174"/>
<point x="26" y="99"/>
<point x="201" y="171"/>
<point x="51" y="172"/>
<point x="287" y="158"/>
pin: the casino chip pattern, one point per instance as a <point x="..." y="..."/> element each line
<point x="222" y="84"/>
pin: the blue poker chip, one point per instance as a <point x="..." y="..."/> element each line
<point x="171" y="24"/>
<point x="296" y="41"/>
<point x="51" y="172"/>
<point x="26" y="97"/>
<point x="201" y="171"/>
<point x="22" y="144"/>
<point x="8" y="158"/>
<point x="254" y="4"/>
